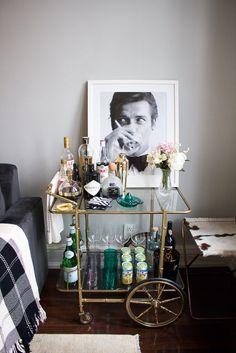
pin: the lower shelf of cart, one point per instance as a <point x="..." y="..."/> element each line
<point x="92" y="264"/>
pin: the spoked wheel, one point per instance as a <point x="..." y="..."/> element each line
<point x="86" y="318"/>
<point x="155" y="302"/>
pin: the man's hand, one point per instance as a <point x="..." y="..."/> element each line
<point x="121" y="140"/>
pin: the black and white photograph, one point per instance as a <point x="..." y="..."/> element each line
<point x="134" y="117"/>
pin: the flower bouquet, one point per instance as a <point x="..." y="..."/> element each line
<point x="167" y="157"/>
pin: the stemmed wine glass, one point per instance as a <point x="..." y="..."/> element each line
<point x="94" y="237"/>
<point x="138" y="238"/>
<point x="120" y="237"/>
<point x="107" y="235"/>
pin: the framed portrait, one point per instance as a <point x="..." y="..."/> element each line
<point x="154" y="121"/>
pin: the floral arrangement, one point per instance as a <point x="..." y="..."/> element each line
<point x="167" y="157"/>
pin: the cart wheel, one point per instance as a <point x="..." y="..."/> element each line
<point x="155" y="302"/>
<point x="86" y="318"/>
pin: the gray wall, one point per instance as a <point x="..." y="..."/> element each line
<point x="50" y="48"/>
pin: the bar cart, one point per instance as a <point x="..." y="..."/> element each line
<point x="153" y="302"/>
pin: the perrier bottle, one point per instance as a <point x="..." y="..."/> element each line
<point x="69" y="265"/>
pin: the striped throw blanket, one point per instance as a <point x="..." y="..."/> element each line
<point x="20" y="310"/>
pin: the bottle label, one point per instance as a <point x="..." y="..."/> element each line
<point x="70" y="274"/>
<point x="69" y="254"/>
<point x="69" y="164"/>
<point x="103" y="171"/>
<point x="92" y="187"/>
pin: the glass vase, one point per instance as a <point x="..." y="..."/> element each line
<point x="165" y="184"/>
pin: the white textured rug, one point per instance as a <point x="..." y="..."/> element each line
<point x="86" y="343"/>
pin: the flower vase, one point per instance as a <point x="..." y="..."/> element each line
<point x="165" y="184"/>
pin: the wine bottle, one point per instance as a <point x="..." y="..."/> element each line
<point x="67" y="155"/>
<point x="103" y="164"/>
<point x="170" y="240"/>
<point x="69" y="265"/>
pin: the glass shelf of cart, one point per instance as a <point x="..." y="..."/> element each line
<point x="92" y="281"/>
<point x="152" y="203"/>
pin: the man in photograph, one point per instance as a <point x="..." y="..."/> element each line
<point x="133" y="119"/>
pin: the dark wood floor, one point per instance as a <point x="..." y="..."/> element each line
<point x="185" y="335"/>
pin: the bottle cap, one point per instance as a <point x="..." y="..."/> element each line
<point x="66" y="142"/>
<point x="112" y="167"/>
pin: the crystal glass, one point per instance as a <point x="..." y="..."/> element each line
<point x="107" y="235"/>
<point x="94" y="237"/>
<point x="138" y="239"/>
<point x="120" y="237"/>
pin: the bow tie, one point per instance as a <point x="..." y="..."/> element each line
<point x="140" y="163"/>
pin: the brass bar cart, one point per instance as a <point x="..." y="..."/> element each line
<point x="154" y="302"/>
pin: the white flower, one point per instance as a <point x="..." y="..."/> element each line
<point x="177" y="160"/>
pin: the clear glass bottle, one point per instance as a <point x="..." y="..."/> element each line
<point x="62" y="172"/>
<point x="153" y="243"/>
<point x="85" y="153"/>
<point x="69" y="188"/>
<point x="69" y="265"/>
<point x="103" y="164"/>
<point x="67" y="155"/>
<point x="112" y="185"/>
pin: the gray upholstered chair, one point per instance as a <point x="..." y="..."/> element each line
<point x="27" y="213"/>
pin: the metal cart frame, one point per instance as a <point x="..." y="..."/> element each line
<point x="154" y="302"/>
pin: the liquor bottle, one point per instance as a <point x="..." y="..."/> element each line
<point x="103" y="164"/>
<point x="67" y="155"/>
<point x="75" y="173"/>
<point x="62" y="172"/>
<point x="169" y="241"/>
<point x="154" y="239"/>
<point x="69" y="188"/>
<point x="112" y="185"/>
<point x="92" y="185"/>
<point x="69" y="265"/>
<point x="85" y="153"/>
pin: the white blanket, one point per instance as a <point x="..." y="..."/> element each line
<point x="20" y="310"/>
<point x="214" y="236"/>
<point x="14" y="232"/>
<point x="55" y="223"/>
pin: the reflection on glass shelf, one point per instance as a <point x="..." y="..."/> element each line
<point x="153" y="202"/>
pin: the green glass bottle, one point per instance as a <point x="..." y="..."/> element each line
<point x="73" y="237"/>
<point x="69" y="265"/>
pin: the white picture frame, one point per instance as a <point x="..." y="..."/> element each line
<point x="100" y="93"/>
